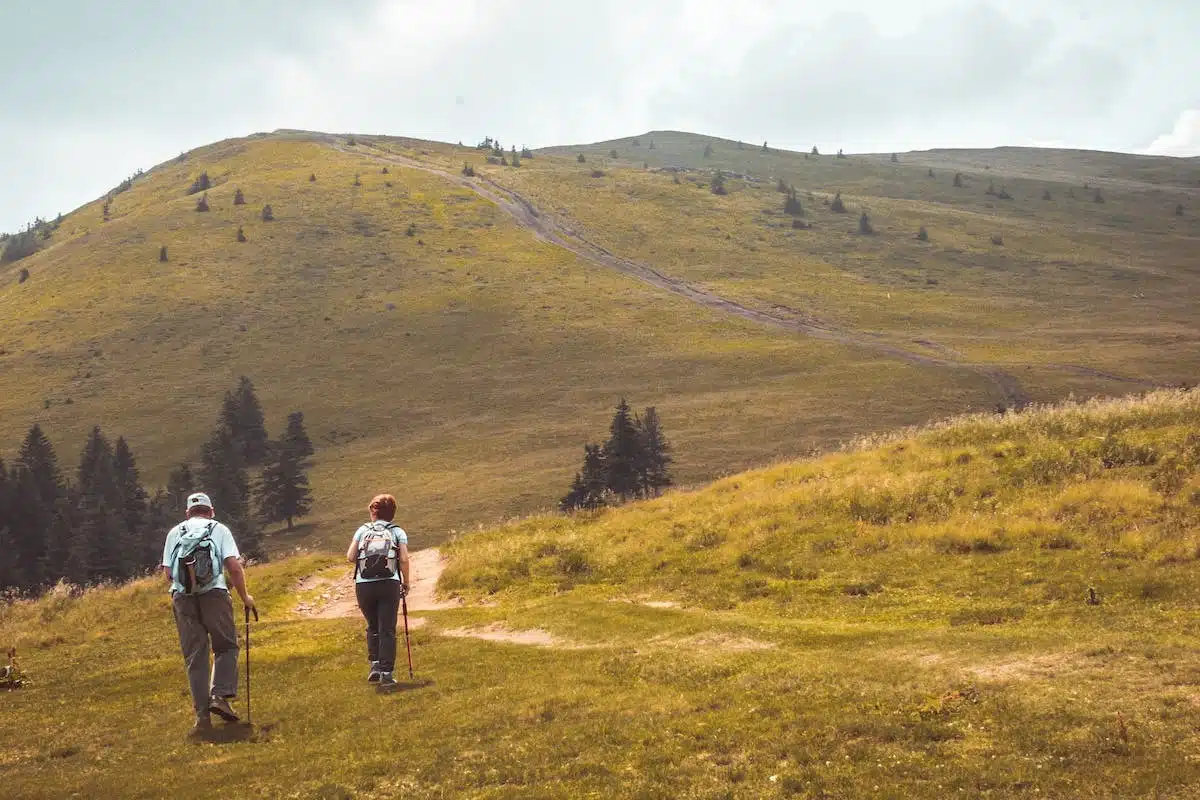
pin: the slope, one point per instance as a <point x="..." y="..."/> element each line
<point x="462" y="366"/>
<point x="907" y="618"/>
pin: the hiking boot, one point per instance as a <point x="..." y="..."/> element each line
<point x="203" y="727"/>
<point x="220" y="706"/>
<point x="373" y="675"/>
<point x="387" y="683"/>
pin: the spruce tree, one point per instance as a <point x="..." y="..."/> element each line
<point x="134" y="507"/>
<point x="8" y="550"/>
<point x="296" y="437"/>
<point x="589" y="489"/>
<point x="180" y="483"/>
<point x="621" y="454"/>
<point x="39" y="493"/>
<point x="283" y="492"/>
<point x="222" y="476"/>
<point x="242" y="416"/>
<point x="653" y="455"/>
<point x="100" y="546"/>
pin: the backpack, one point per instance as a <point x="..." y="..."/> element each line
<point x="377" y="552"/>
<point x="194" y="560"/>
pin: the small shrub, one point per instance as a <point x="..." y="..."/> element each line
<point x="23" y="275"/>
<point x="516" y="160"/>
<point x="675" y="178"/>
<point x="840" y="154"/>
<point x="201" y="184"/>
<point x="651" y="144"/>
<point x="894" y="159"/>
<point x="1071" y="193"/>
<point x="636" y="142"/>
<point x="268" y="214"/>
<point x="931" y="172"/>
<point x="357" y="182"/>
<point x="351" y="141"/>
<point x="815" y="151"/>
<point x="527" y="153"/>
<point x="572" y="563"/>
<point x="922" y="234"/>
<point x="708" y="151"/>
<point x="864" y="225"/>
<point x="1060" y="541"/>
<point x="782" y="187"/>
<point x="792" y="206"/>
<point x="1179" y="210"/>
<point x="991" y="190"/>
<point x="597" y="173"/>
<point x="504" y="161"/>
<point x="1046" y="195"/>
<point x="468" y="170"/>
<point x="986" y="616"/>
<point x="162" y="254"/>
<point x="613" y="154"/>
<point x="837" y="206"/>
<point x="202" y="203"/>
<point x="1098" y="198"/>
<point x="958" y="180"/>
<point x="412" y="230"/>
<point x="581" y="158"/>
<point x="239" y="199"/>
<point x="997" y="240"/>
<point x="718" y="183"/>
<point x="799" y="224"/>
<point x="1003" y="194"/>
<point x="862" y="589"/>
<point x="241" y="235"/>
<point x="312" y="178"/>
<point x="18" y="246"/>
<point x="383" y="171"/>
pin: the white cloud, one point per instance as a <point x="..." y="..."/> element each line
<point x="1184" y="138"/>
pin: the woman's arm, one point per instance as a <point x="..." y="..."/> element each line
<point x="352" y="550"/>
<point x="402" y="557"/>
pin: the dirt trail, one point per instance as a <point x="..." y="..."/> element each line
<point x="547" y="229"/>
<point x="337" y="598"/>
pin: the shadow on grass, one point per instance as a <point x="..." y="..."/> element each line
<point x="234" y="733"/>
<point x="406" y="686"/>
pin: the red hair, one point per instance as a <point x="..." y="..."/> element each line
<point x="383" y="507"/>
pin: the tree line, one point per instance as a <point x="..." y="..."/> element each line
<point x="102" y="524"/>
<point x="632" y="464"/>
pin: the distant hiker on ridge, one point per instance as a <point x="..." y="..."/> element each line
<point x="379" y="551"/>
<point x="193" y="557"/>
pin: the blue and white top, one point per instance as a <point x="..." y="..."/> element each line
<point x="223" y="546"/>
<point x="399" y="537"/>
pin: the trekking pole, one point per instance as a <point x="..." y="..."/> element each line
<point x="247" y="610"/>
<point x="407" y="646"/>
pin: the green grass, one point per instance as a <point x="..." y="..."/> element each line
<point x="904" y="618"/>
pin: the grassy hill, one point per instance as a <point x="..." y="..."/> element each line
<point x="463" y="366"/>
<point x="907" y="618"/>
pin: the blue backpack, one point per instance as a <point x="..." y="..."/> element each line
<point x="195" y="561"/>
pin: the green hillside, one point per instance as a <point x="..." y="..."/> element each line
<point x="907" y="618"/>
<point x="464" y="365"/>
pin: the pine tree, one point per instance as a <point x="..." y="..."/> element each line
<point x="791" y="205"/>
<point x="134" y="507"/>
<point x="180" y="483"/>
<point x="242" y="415"/>
<point x="8" y="549"/>
<point x="653" y="458"/>
<point x="708" y="151"/>
<point x="296" y="437"/>
<point x="283" y="492"/>
<point x="589" y="489"/>
<point x="222" y="476"/>
<point x="621" y="454"/>
<point x="100" y="546"/>
<point x="718" y="183"/>
<point x="39" y="492"/>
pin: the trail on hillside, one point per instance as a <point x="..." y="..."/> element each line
<point x="547" y="229"/>
<point x="337" y="598"/>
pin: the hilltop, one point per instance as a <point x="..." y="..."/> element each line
<point x="991" y="606"/>
<point x="463" y="366"/>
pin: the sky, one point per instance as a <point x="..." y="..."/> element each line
<point x="90" y="91"/>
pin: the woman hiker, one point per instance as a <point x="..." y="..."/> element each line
<point x="379" y="551"/>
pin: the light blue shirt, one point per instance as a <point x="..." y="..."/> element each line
<point x="398" y="536"/>
<point x="223" y="547"/>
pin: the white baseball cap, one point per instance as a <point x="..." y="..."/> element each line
<point x="197" y="500"/>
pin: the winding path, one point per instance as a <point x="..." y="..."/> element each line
<point x="547" y="229"/>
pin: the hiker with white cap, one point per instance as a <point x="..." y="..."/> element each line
<point x="197" y="554"/>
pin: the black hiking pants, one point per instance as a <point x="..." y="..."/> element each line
<point x="379" y="602"/>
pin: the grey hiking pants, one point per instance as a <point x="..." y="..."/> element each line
<point x="201" y="617"/>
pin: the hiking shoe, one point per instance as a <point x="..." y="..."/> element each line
<point x="387" y="683"/>
<point x="220" y="706"/>
<point x="373" y="675"/>
<point x="202" y="728"/>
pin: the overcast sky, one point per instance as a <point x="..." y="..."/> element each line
<point x="91" y="91"/>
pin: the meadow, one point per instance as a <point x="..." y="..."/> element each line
<point x="993" y="606"/>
